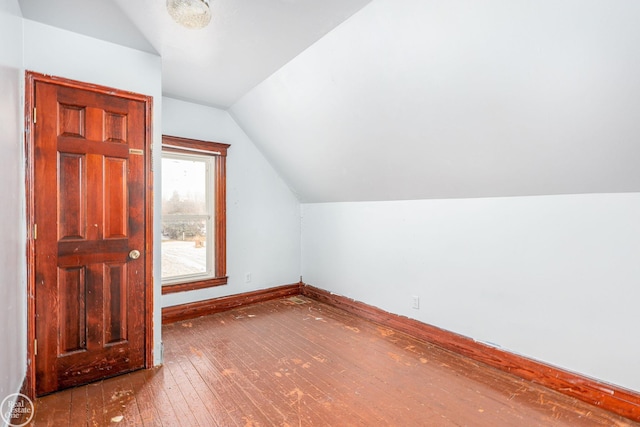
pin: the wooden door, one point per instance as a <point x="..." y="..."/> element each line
<point x="89" y="210"/>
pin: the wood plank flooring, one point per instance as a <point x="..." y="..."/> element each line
<point x="298" y="362"/>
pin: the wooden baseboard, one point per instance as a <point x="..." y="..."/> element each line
<point x="609" y="397"/>
<point x="612" y="398"/>
<point x="177" y="313"/>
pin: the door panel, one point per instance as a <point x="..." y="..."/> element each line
<point x="73" y="332"/>
<point x="115" y="198"/>
<point x="89" y="207"/>
<point x="115" y="303"/>
<point x="72" y="220"/>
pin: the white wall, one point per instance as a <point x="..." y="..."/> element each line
<point x="263" y="215"/>
<point x="554" y="278"/>
<point x="62" y="53"/>
<point x="13" y="326"/>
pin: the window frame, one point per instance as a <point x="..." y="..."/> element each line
<point x="218" y="152"/>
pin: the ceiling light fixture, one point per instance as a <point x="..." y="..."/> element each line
<point x="190" y="13"/>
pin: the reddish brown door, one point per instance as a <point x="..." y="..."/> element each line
<point x="89" y="210"/>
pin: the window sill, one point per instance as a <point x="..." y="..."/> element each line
<point x="191" y="286"/>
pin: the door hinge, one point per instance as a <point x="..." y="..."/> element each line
<point x="35" y="347"/>
<point x="34" y="116"/>
<point x="35" y="231"/>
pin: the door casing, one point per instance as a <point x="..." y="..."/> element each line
<point x="29" y="387"/>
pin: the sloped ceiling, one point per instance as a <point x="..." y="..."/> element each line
<point x="246" y="41"/>
<point x="458" y="98"/>
<point x="385" y="100"/>
<point x="99" y="19"/>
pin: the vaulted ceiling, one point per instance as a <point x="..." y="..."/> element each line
<point x="246" y="41"/>
<point x="386" y="100"/>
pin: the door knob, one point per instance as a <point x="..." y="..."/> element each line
<point x="134" y="254"/>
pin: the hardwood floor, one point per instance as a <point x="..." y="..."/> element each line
<point x="298" y="362"/>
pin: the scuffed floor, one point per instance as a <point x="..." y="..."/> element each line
<point x="298" y="362"/>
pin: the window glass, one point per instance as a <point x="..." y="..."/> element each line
<point x="187" y="213"/>
<point x="193" y="247"/>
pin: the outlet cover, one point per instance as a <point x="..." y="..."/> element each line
<point x="415" y="302"/>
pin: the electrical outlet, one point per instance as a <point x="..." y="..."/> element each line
<point x="415" y="302"/>
<point x="247" y="277"/>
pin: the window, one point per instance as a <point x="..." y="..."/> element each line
<point x="193" y="214"/>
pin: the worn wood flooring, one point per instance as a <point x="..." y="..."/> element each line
<point x="298" y="362"/>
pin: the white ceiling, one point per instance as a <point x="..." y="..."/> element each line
<point x="246" y="41"/>
<point x="387" y="99"/>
